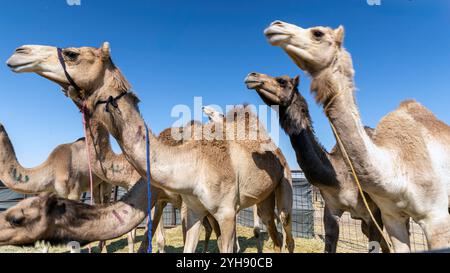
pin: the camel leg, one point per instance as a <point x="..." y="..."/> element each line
<point x="257" y="230"/>
<point x="157" y="212"/>
<point x="266" y="210"/>
<point x="227" y="223"/>
<point x="397" y="228"/>
<point x="437" y="231"/>
<point x="183" y="217"/>
<point x="131" y="238"/>
<point x="373" y="234"/>
<point x="208" y="232"/>
<point x="284" y="199"/>
<point x="193" y="224"/>
<point x="160" y="238"/>
<point x="144" y="245"/>
<point x="102" y="195"/>
<point x="331" y="226"/>
<point x="215" y="226"/>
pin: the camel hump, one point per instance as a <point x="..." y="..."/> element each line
<point x="81" y="139"/>
<point x="411" y="103"/>
<point x="424" y="117"/>
<point x="237" y="112"/>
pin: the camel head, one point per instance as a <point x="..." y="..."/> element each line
<point x="85" y="65"/>
<point x="212" y="114"/>
<point x="273" y="90"/>
<point x="312" y="49"/>
<point x="31" y="220"/>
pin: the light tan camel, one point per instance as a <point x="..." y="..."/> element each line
<point x="325" y="170"/>
<point x="225" y="177"/>
<point x="405" y="167"/>
<point x="115" y="169"/>
<point x="215" y="116"/>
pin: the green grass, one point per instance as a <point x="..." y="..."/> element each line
<point x="174" y="244"/>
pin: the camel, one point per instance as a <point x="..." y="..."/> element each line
<point x="115" y="169"/>
<point x="405" y="166"/>
<point x="326" y="171"/>
<point x="215" y="116"/>
<point x="225" y="177"/>
<point x="65" y="173"/>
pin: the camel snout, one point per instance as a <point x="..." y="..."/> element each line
<point x="251" y="77"/>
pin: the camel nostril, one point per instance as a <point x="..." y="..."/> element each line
<point x="277" y="23"/>
<point x="22" y="50"/>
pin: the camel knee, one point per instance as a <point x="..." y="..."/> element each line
<point x="437" y="231"/>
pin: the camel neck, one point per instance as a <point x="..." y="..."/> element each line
<point x="343" y="113"/>
<point x="311" y="156"/>
<point x="21" y="179"/>
<point x="95" y="223"/>
<point x="127" y="126"/>
<point x="108" y="165"/>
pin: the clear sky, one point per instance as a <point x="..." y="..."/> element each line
<point x="174" y="50"/>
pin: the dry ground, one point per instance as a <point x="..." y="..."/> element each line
<point x="174" y="244"/>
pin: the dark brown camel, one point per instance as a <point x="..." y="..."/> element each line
<point x="326" y="171"/>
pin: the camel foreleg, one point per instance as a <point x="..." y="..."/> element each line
<point x="331" y="226"/>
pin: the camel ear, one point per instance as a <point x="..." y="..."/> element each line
<point x="339" y="34"/>
<point x="54" y="206"/>
<point x="106" y="51"/>
<point x="296" y="80"/>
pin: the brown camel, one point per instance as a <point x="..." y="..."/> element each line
<point x="326" y="171"/>
<point x="405" y="166"/>
<point x="225" y="177"/>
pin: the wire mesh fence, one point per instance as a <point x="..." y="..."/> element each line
<point x="307" y="221"/>
<point x="307" y="216"/>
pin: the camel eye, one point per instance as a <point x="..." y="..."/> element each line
<point x="282" y="82"/>
<point x="71" y="55"/>
<point x="16" y="221"/>
<point x="318" y="33"/>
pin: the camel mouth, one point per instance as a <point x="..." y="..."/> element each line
<point x="253" y="83"/>
<point x="20" y="67"/>
<point x="276" y="35"/>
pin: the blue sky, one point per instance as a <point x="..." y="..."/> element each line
<point x="172" y="51"/>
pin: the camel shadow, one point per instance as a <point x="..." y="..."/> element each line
<point x="244" y="242"/>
